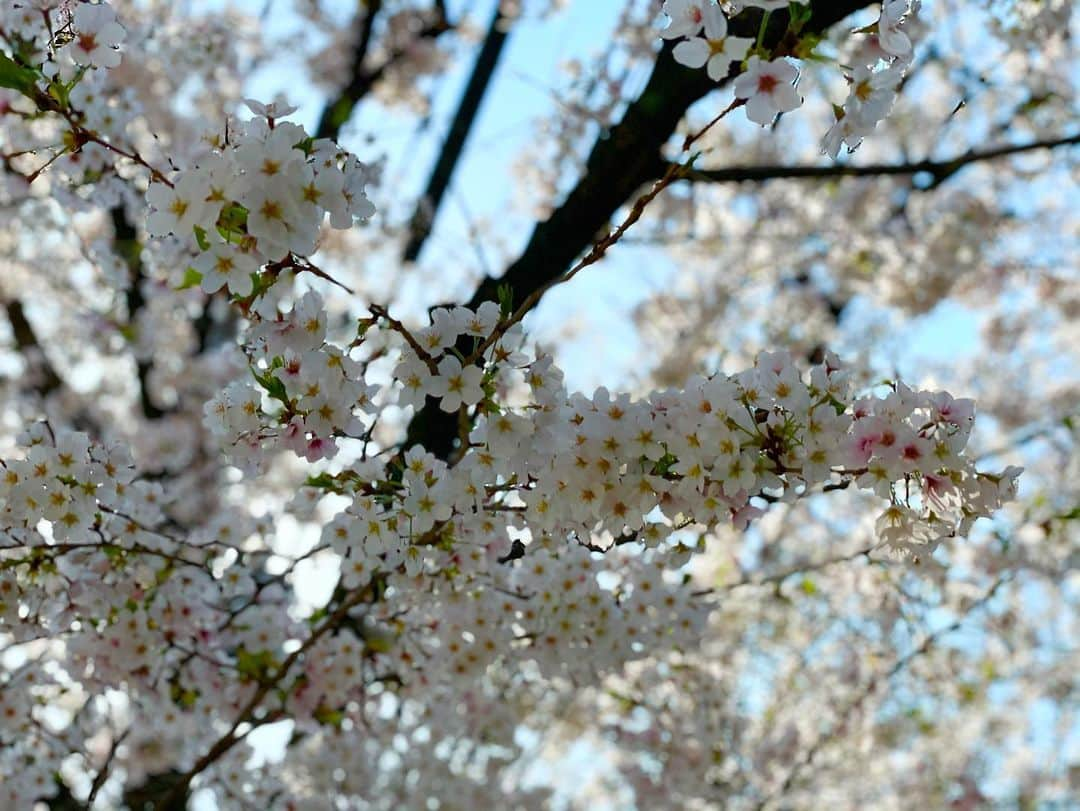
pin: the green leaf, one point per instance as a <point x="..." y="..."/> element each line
<point x="260" y="283"/>
<point x="1071" y="515"/>
<point x="626" y="703"/>
<point x="17" y="77"/>
<point x="807" y="46"/>
<point x="968" y="692"/>
<point x="327" y="716"/>
<point x="192" y="278"/>
<point x="340" y="112"/>
<point x="505" y="294"/>
<point x="663" y="465"/>
<point x="274" y="387"/>
<point x="200" y="237"/>
<point x="232" y="221"/>
<point x="324" y="481"/>
<point x="800" y="16"/>
<point x="255" y="665"/>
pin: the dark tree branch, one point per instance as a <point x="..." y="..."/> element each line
<point x="486" y="62"/>
<point x="64" y="800"/>
<point x="361" y="78"/>
<point x="622" y="160"/>
<point x="40" y="368"/>
<point x="939" y="170"/>
<point x="127" y="246"/>
<point x="337" y="112"/>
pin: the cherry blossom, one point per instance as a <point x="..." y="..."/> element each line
<point x="225" y="264"/>
<point x="179" y="207"/>
<point x="97" y="36"/>
<point x="687" y="17"/>
<point x="261" y="481"/>
<point x="716" y="49"/>
<point x="769" y="89"/>
<point x="457" y="386"/>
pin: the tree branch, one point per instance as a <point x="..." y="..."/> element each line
<point x="939" y="170"/>
<point x="362" y="79"/>
<point x="175" y="798"/>
<point x="622" y="160"/>
<point x="486" y="62"/>
<point x="127" y="246"/>
<point x="40" y="371"/>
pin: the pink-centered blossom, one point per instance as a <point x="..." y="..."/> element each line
<point x="768" y="88"/>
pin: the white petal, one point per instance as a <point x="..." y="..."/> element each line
<point x="736" y="47"/>
<point x="211" y="282"/>
<point x="108" y="58"/>
<point x="894" y="42"/>
<point x="159" y="223"/>
<point x="112" y="33"/>
<point x="783" y="70"/>
<point x="786" y="98"/>
<point x="760" y="110"/>
<point x="693" y="53"/>
<point x="715" y="23"/>
<point x="718" y="66"/>
<point x="746" y="85"/>
<point x="240" y="284"/>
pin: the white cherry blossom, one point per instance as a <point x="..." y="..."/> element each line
<point x="769" y="89"/>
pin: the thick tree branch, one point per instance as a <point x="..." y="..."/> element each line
<point x="361" y="78"/>
<point x="127" y="246"/>
<point x="41" y="371"/>
<point x="939" y="170"/>
<point x="337" y="112"/>
<point x="486" y="62"/>
<point x="622" y="160"/>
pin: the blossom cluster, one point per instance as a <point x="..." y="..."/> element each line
<point x="491" y="561"/>
<point x="550" y="546"/>
<point x="86" y="558"/>
<point x="571" y="465"/>
<point x="766" y="82"/>
<point x="767" y="86"/>
<point x="572" y="479"/>
<point x="317" y="390"/>
<point x="80" y="36"/>
<point x="261" y="198"/>
<point x="878" y="64"/>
